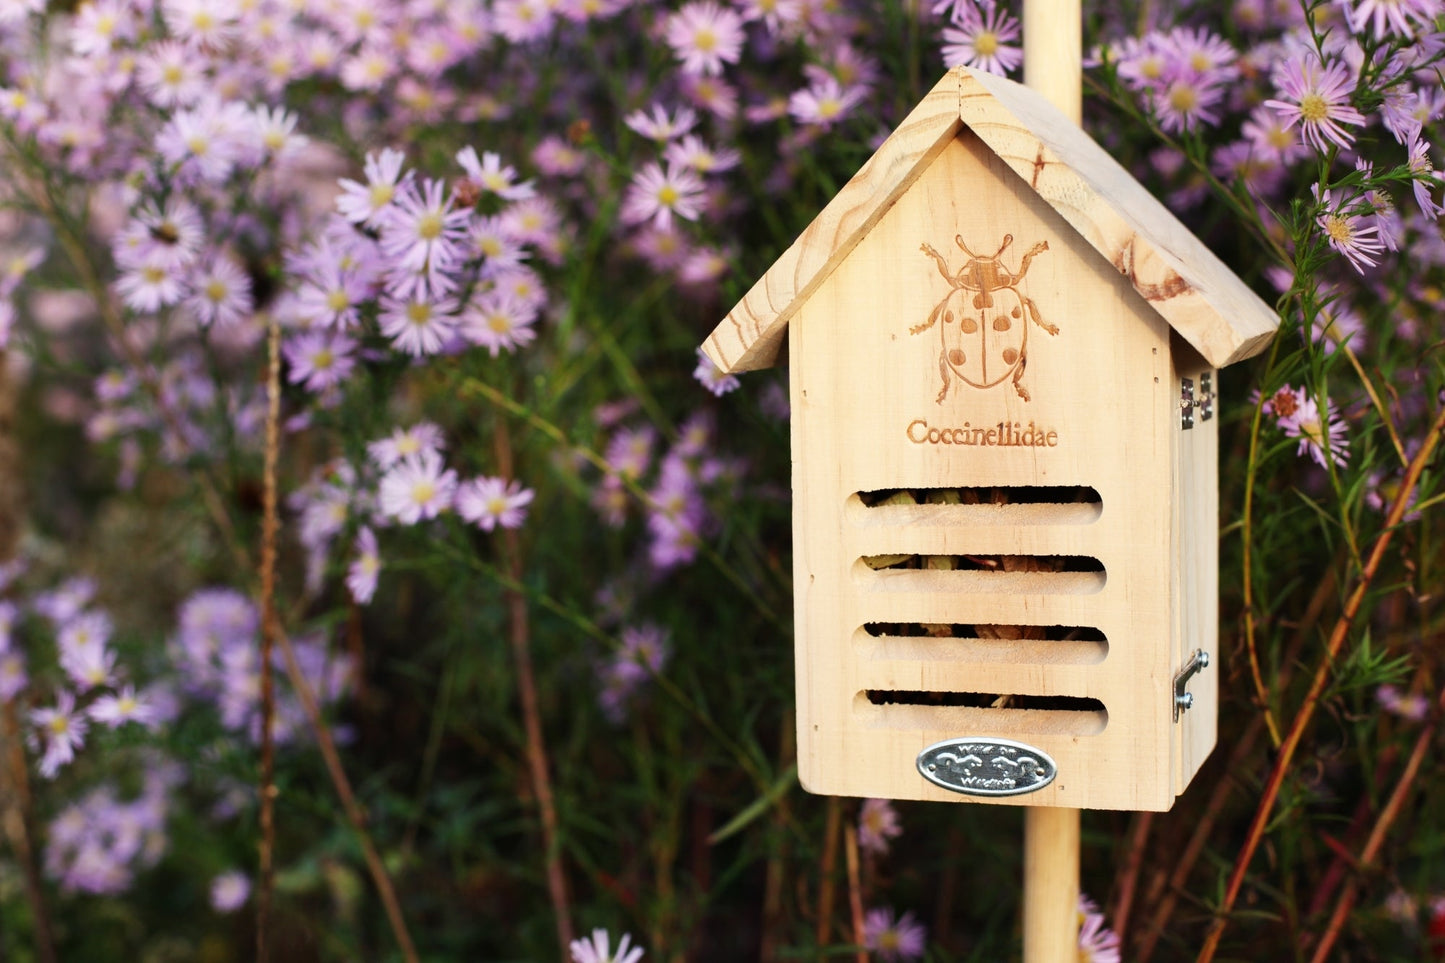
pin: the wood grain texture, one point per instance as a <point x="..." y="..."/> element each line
<point x="1181" y="279"/>
<point x="1051" y="886"/>
<point x="1195" y="562"/>
<point x="1102" y="384"/>
<point x="749" y="337"/>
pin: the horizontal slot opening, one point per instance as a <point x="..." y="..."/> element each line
<point x="1024" y="505"/>
<point x="982" y="495"/>
<point x="1043" y="633"/>
<point x="983" y="700"/>
<point x="983" y="574"/>
<point x="981" y="712"/>
<point x="1002" y="564"/>
<point x="1017" y="644"/>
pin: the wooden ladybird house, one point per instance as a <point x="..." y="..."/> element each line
<point x="1002" y="353"/>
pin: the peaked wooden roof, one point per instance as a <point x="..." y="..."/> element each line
<point x="1196" y="294"/>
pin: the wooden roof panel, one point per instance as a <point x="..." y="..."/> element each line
<point x="1183" y="280"/>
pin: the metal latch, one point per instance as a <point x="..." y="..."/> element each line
<point x="1183" y="700"/>
<point x="1188" y="403"/>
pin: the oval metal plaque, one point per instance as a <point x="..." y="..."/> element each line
<point x="986" y="767"/>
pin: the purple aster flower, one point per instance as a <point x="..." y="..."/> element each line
<point x="499" y="321"/>
<point x="655" y="195"/>
<point x="1350" y="229"/>
<point x="692" y="151"/>
<point x="659" y="125"/>
<point x="629" y="453"/>
<point x="1412" y="706"/>
<point x="1317" y="97"/>
<point x="200" y="22"/>
<point x="65" y="602"/>
<point x="705" y="36"/>
<point x="13" y="678"/>
<point x="642" y="654"/>
<point x="422" y="234"/>
<point x="319" y="360"/>
<point x="418" y="325"/>
<point x="122" y="707"/>
<point x="1321" y="435"/>
<point x="402" y="443"/>
<point x="220" y="293"/>
<point x="229" y="891"/>
<point x="61" y="730"/>
<point x="711" y="377"/>
<point x="172" y="74"/>
<point x="1423" y="177"/>
<point x="824" y="102"/>
<point x="150" y="285"/>
<point x="331" y="296"/>
<point x="489" y="175"/>
<point x="894" y="937"/>
<point x="877" y="824"/>
<point x="982" y="39"/>
<point x="598" y="949"/>
<point x="1097" y="943"/>
<point x="1402" y="17"/>
<point x="203" y="142"/>
<point x="492" y="502"/>
<point x="418" y="487"/>
<point x="361" y="576"/>
<point x="365" y="203"/>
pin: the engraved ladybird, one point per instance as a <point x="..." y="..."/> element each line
<point x="984" y="331"/>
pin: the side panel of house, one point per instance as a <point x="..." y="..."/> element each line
<point x="982" y="463"/>
<point x="1196" y="564"/>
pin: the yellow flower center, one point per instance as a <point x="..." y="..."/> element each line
<point x="667" y="195"/>
<point x="705" y="40"/>
<point x="419" y="313"/>
<point x="499" y="323"/>
<point x="323" y="359"/>
<point x="1313" y="108"/>
<point x="1183" y="98"/>
<point x="986" y="43"/>
<point x="60" y="725"/>
<point x="215" y="291"/>
<point x="423" y="492"/>
<point x="429" y="227"/>
<point x="337" y="300"/>
<point x="381" y="194"/>
<point x="1338" y="228"/>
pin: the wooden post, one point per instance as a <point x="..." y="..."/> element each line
<point x="1053" y="65"/>
<point x="1053" y="53"/>
<point x="1051" y="885"/>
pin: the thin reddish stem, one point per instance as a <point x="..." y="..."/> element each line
<point x="1306" y="712"/>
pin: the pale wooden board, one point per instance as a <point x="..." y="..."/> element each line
<point x="1190" y="287"/>
<point x="1183" y="280"/>
<point x="1103" y="382"/>
<point x="1196" y="574"/>
<point x="749" y="337"/>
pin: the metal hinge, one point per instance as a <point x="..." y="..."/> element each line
<point x="1182" y="699"/>
<point x="1189" y="403"/>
